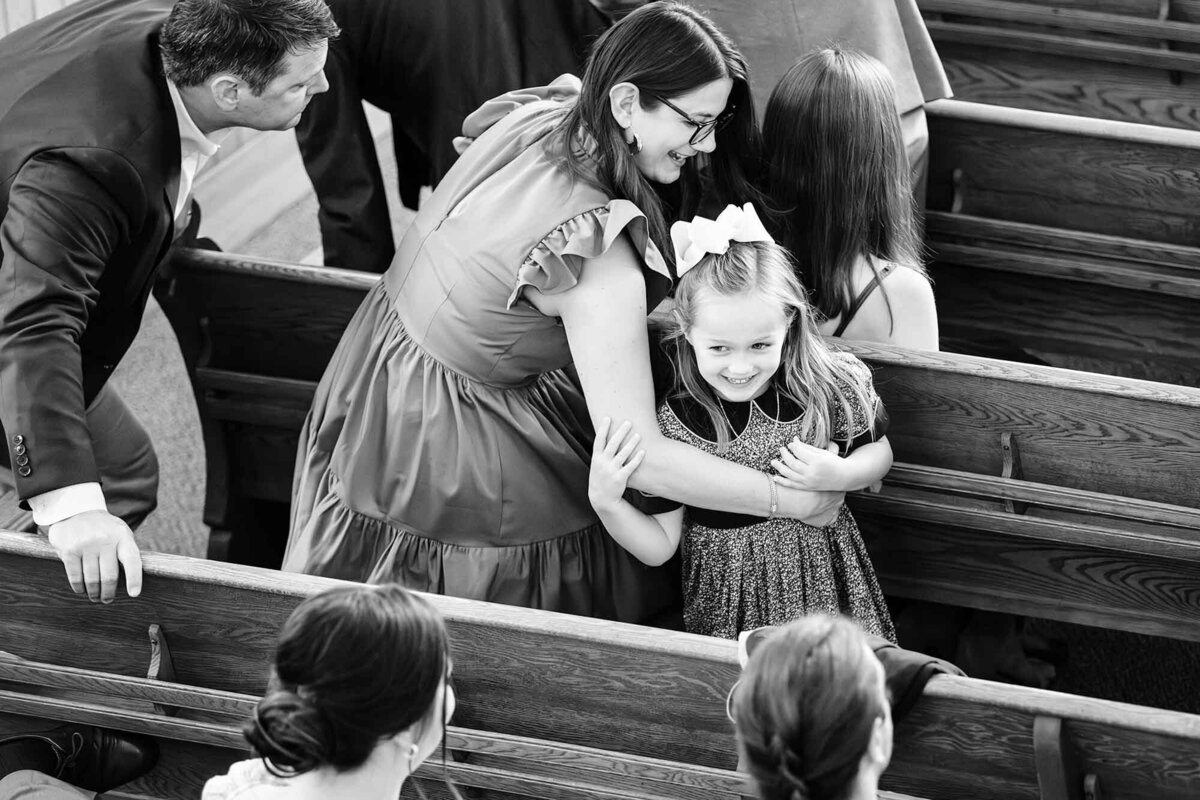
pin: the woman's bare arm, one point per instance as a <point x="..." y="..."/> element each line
<point x="605" y="320"/>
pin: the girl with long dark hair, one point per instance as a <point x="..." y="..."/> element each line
<point x="838" y="180"/>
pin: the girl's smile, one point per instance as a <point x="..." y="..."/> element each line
<point x="738" y="341"/>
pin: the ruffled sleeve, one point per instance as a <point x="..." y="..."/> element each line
<point x="564" y="89"/>
<point x="869" y="423"/>
<point x="556" y="261"/>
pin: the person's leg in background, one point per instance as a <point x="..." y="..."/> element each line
<point x="339" y="157"/>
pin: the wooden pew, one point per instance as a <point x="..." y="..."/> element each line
<point x="556" y="681"/>
<point x="1072" y="238"/>
<point x="1038" y="491"/>
<point x="201" y="737"/>
<point x="1064" y="172"/>
<point x="1106" y="466"/>
<point x="256" y="336"/>
<point x="1081" y="300"/>
<point x="1130" y="60"/>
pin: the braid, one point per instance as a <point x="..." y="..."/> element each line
<point x="807" y="708"/>
<point x="786" y="767"/>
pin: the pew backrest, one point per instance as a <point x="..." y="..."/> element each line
<point x="1134" y="61"/>
<point x="1116" y="436"/>
<point x="1087" y="301"/>
<point x="583" y="683"/>
<point x="1059" y="171"/>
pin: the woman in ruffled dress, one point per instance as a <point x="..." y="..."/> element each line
<point x="449" y="441"/>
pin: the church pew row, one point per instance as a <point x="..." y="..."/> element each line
<point x="1026" y="489"/>
<point x="201" y="737"/>
<point x="1074" y="239"/>
<point x="1130" y="60"/>
<point x="1070" y="173"/>
<point x="567" y="682"/>
<point x="1037" y="491"/>
<point x="1083" y="300"/>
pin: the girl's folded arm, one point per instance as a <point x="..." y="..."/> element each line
<point x="650" y="539"/>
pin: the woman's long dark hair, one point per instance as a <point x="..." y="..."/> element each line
<point x="806" y="709"/>
<point x="838" y="177"/>
<point x="354" y="665"/>
<point x="666" y="49"/>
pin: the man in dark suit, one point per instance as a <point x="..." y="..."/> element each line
<point x="427" y="63"/>
<point x="107" y="111"/>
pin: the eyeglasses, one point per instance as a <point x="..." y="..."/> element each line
<point x="703" y="129"/>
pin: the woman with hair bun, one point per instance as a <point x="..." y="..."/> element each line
<point x="359" y="698"/>
<point x="812" y="713"/>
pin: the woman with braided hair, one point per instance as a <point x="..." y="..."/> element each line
<point x="812" y="713"/>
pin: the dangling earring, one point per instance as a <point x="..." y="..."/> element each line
<point x="635" y="146"/>
<point x="412" y="756"/>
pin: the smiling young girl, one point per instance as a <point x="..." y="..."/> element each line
<point x="756" y="385"/>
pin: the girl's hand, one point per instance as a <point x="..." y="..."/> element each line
<point x="614" y="458"/>
<point x="803" y="466"/>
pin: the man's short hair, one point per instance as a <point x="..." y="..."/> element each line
<point x="246" y="38"/>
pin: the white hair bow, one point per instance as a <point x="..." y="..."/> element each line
<point x="696" y="239"/>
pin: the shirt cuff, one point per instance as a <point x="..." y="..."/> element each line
<point x="58" y="504"/>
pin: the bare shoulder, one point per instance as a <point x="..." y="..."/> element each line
<point x="909" y="286"/>
<point x="903" y="313"/>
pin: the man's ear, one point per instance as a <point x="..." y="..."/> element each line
<point x="622" y="99"/>
<point x="226" y="91"/>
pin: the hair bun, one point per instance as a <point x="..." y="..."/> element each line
<point x="290" y="732"/>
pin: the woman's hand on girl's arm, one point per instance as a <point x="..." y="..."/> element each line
<point x="803" y="466"/>
<point x="652" y="540"/>
<point x="604" y="315"/>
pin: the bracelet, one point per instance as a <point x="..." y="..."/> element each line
<point x="774" y="497"/>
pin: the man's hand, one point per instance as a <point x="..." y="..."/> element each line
<point x="91" y="545"/>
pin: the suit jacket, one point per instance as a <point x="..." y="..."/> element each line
<point x="89" y="172"/>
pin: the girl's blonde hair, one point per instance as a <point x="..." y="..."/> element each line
<point x="839" y="178"/>
<point x="811" y="374"/>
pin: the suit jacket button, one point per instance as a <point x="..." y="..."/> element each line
<point x="22" y="460"/>
<point x="24" y="472"/>
<point x="19" y="449"/>
<point x="18" y="439"/>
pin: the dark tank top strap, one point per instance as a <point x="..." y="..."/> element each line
<point x="862" y="298"/>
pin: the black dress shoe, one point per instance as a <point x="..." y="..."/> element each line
<point x="95" y="759"/>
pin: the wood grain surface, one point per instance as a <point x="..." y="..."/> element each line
<point x="573" y="682"/>
<point x="1103" y="434"/>
<point x="1044" y="81"/>
<point x="1065" y="172"/>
